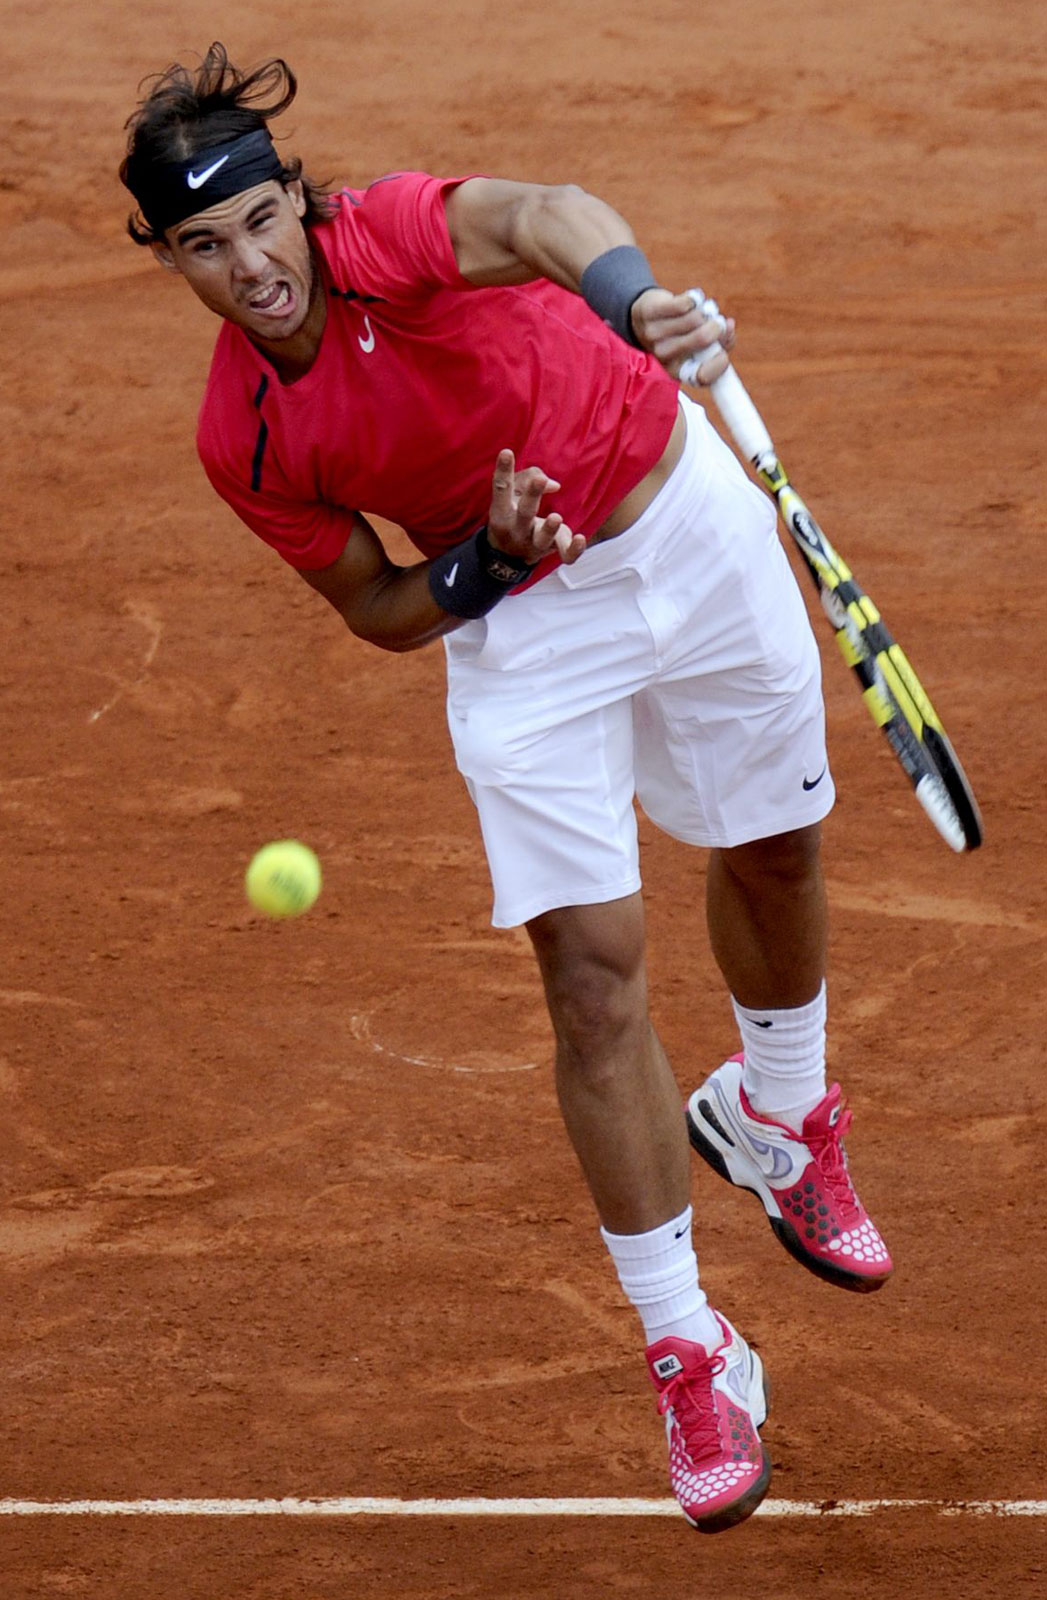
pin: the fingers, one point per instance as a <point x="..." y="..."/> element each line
<point x="674" y="327"/>
<point x="516" y="496"/>
<point x="515" y="523"/>
<point x="531" y="485"/>
<point x="502" y="487"/>
<point x="570" y="545"/>
<point x="552" y="532"/>
<point x="704" y="367"/>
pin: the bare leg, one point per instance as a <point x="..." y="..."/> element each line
<point x="620" y="1102"/>
<point x="766" y="909"/>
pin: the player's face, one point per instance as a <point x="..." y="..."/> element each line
<point x="248" y="260"/>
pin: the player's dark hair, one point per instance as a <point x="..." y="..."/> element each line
<point x="186" y="110"/>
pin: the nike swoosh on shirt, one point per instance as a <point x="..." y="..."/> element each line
<point x="808" y="784"/>
<point x="196" y="180"/>
<point x="366" y="345"/>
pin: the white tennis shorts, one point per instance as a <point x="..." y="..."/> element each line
<point x="674" y="664"/>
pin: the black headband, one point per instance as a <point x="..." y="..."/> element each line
<point x="168" y="192"/>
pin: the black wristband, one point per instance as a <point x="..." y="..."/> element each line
<point x="469" y="579"/>
<point x="612" y="282"/>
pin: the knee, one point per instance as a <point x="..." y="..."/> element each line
<point x="595" y="1009"/>
<point x="595" y="989"/>
<point x="791" y="859"/>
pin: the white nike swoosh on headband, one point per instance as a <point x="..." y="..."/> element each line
<point x="197" y="180"/>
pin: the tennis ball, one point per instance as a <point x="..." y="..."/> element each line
<point x="283" y="879"/>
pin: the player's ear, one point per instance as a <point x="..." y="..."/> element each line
<point x="163" y="254"/>
<point x="296" y="194"/>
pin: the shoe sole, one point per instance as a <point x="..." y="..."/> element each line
<point x="704" y="1143"/>
<point x="741" y="1509"/>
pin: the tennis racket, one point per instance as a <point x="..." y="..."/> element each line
<point x="893" y="694"/>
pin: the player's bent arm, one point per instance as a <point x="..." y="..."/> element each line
<point x="402" y="608"/>
<point x="504" y="233"/>
<point x="387" y="605"/>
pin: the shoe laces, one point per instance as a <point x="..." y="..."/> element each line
<point x="690" y="1396"/>
<point x="827" y="1149"/>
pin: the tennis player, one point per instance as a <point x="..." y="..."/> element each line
<point x="491" y="365"/>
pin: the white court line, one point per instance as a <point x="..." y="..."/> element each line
<point x="371" y="1507"/>
<point x="360" y="1028"/>
<point x="145" y="615"/>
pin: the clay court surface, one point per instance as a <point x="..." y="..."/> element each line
<point x="286" y="1208"/>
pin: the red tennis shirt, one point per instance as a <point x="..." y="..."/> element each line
<point x="419" y="381"/>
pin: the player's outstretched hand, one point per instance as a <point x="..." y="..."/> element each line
<point x="672" y="328"/>
<point x="515" y="523"/>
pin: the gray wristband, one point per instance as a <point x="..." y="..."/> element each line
<point x="469" y="579"/>
<point x="612" y="282"/>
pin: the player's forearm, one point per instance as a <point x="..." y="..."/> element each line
<point x="387" y="605"/>
<point x="467" y="580"/>
<point x="398" y="612"/>
<point x="402" y="608"/>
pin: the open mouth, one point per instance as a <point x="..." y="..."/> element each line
<point x="272" y="300"/>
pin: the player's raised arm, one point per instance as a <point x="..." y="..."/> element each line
<point x="504" y="232"/>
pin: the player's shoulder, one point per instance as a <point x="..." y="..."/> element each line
<point x="391" y="188"/>
<point x="390" y="239"/>
<point x="360" y="214"/>
<point x="384" y="197"/>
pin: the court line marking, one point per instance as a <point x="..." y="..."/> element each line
<point x="146" y="616"/>
<point x="360" y="1028"/>
<point x="32" y="997"/>
<point x="378" y="1507"/>
<point x="890" y="900"/>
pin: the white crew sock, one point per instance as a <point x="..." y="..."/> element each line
<point x="659" y="1272"/>
<point x="784" y="1070"/>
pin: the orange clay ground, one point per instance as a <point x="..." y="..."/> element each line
<point x="287" y="1209"/>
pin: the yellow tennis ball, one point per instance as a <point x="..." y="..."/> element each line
<point x="283" y="879"/>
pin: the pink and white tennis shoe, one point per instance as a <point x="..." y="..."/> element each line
<point x="802" y="1180"/>
<point x="713" y="1406"/>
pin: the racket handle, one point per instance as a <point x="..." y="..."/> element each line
<point x="745" y="424"/>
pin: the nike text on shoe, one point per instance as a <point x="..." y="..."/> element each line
<point x="802" y="1179"/>
<point x="713" y="1406"/>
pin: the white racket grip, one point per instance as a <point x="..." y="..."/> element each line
<point x="745" y="424"/>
